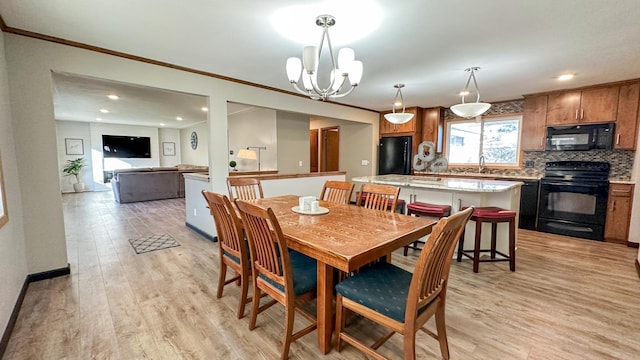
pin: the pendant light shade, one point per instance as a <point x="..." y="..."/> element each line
<point x="401" y="117"/>
<point x="471" y="110"/>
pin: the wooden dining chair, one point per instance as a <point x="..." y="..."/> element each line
<point x="338" y="192"/>
<point x="234" y="251"/>
<point x="378" y="197"/>
<point x="244" y="188"/>
<point x="289" y="277"/>
<point x="399" y="300"/>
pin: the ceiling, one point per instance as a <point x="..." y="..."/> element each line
<point x="520" y="46"/>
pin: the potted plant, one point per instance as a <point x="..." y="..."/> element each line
<point x="233" y="165"/>
<point x="74" y="167"/>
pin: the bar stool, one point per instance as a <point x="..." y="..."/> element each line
<point x="493" y="215"/>
<point x="399" y="203"/>
<point x="425" y="209"/>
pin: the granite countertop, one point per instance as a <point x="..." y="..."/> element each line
<point x="477" y="175"/>
<point x="441" y="183"/>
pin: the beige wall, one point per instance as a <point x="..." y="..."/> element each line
<point x="293" y="142"/>
<point x="199" y="156"/>
<point x="30" y="62"/>
<point x="254" y="126"/>
<point x="13" y="260"/>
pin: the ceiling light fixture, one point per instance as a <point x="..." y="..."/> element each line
<point x="565" y="77"/>
<point x="104" y="111"/>
<point x="470" y="110"/>
<point x="347" y="67"/>
<point x="178" y="118"/>
<point x="205" y="109"/>
<point x="401" y="117"/>
<point x="113" y="97"/>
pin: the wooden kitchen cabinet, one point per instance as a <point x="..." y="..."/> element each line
<point x="594" y="105"/>
<point x="616" y="228"/>
<point x="432" y="122"/>
<point x="534" y="130"/>
<point x="627" y="117"/>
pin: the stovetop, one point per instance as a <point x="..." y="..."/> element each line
<point x="579" y="170"/>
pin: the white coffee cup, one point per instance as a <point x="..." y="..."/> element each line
<point x="314" y="206"/>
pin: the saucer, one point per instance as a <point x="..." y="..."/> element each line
<point x="320" y="211"/>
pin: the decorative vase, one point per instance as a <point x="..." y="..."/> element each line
<point x="78" y="187"/>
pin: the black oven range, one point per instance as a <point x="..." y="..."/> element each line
<point x="573" y="199"/>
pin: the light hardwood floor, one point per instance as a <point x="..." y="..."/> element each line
<point x="568" y="299"/>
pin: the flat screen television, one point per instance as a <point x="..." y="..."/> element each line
<point x="115" y="146"/>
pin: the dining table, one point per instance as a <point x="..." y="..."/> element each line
<point x="343" y="237"/>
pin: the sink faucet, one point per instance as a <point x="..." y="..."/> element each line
<point x="481" y="163"/>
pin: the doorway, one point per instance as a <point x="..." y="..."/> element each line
<point x="313" y="150"/>
<point x="330" y="149"/>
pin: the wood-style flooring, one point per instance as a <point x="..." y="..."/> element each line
<point x="568" y="299"/>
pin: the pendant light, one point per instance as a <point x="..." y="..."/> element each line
<point x="470" y="110"/>
<point x="402" y="117"/>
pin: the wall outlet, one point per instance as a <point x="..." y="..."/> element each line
<point x="365" y="162"/>
<point x="529" y="164"/>
<point x="300" y="163"/>
<point x="195" y="212"/>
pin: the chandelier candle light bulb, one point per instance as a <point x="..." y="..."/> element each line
<point x="345" y="68"/>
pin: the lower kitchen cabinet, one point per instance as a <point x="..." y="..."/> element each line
<point x="618" y="213"/>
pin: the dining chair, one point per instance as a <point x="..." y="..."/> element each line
<point x="378" y="197"/>
<point x="287" y="276"/>
<point x="338" y="192"/>
<point x="244" y="188"/>
<point x="234" y="251"/>
<point x="399" y="300"/>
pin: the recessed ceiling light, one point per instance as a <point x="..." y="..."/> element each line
<point x="178" y="118"/>
<point x="113" y="97"/>
<point x="98" y="119"/>
<point x="205" y="109"/>
<point x="565" y="77"/>
<point x="161" y="124"/>
<point x="104" y="111"/>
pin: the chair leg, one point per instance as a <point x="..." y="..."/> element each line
<point x="442" y="331"/>
<point x="256" y="304"/>
<point x="409" y="343"/>
<point x="340" y="322"/>
<point x="460" y="246"/>
<point x="494" y="235"/>
<point x="406" y="249"/>
<point x="222" y="277"/>
<point x="476" y="248"/>
<point x="243" y="295"/>
<point x="289" y="316"/>
<point x="512" y="244"/>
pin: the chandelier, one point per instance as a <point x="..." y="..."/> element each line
<point x="346" y="67"/>
<point x="470" y="110"/>
<point x="401" y="117"/>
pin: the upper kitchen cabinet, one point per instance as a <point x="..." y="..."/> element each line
<point x="432" y="121"/>
<point x="627" y="118"/>
<point x="594" y="105"/>
<point x="534" y="123"/>
<point x="410" y="128"/>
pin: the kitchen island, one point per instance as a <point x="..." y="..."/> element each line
<point x="458" y="192"/>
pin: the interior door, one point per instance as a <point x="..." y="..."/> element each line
<point x="330" y="149"/>
<point x="313" y="150"/>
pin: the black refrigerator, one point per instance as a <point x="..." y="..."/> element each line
<point x="394" y="155"/>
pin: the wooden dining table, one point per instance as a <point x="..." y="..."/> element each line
<point x="345" y="238"/>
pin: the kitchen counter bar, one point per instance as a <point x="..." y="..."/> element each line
<point x="441" y="183"/>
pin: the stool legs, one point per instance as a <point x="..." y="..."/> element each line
<point x="493" y="251"/>
<point x="476" y="247"/>
<point x="512" y="245"/>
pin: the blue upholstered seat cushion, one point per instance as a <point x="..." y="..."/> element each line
<point x="381" y="287"/>
<point x="304" y="273"/>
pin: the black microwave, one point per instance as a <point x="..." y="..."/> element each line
<point x="580" y="137"/>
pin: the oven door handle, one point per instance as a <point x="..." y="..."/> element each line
<point x="572" y="184"/>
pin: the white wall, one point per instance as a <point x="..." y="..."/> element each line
<point x="74" y="130"/>
<point x="293" y="142"/>
<point x="199" y="156"/>
<point x="170" y="136"/>
<point x="31" y="126"/>
<point x="13" y="259"/>
<point x="254" y="127"/>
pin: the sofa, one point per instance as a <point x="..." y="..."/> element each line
<point x="151" y="183"/>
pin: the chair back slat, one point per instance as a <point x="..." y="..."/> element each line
<point x="432" y="268"/>
<point x="228" y="225"/>
<point x="244" y="188"/>
<point x="378" y="197"/>
<point x="268" y="248"/>
<point x="338" y="192"/>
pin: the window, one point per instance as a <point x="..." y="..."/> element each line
<point x="497" y="139"/>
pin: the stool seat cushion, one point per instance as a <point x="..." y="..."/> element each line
<point x="493" y="212"/>
<point x="436" y="210"/>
